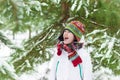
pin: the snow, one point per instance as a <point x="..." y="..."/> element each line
<point x="86" y="11"/>
<point x="104" y="45"/>
<point x="4" y="50"/>
<point x="105" y="74"/>
<point x="4" y="56"/>
<point x="56" y="1"/>
<point x="39" y="72"/>
<point x="96" y="31"/>
<point x="8" y="68"/>
<point x="74" y="5"/>
<point x="79" y="6"/>
<point x="110" y="47"/>
<point x="28" y="10"/>
<point x="1" y="22"/>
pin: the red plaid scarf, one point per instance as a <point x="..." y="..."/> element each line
<point x="72" y="54"/>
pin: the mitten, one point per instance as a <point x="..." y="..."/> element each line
<point x="59" y="48"/>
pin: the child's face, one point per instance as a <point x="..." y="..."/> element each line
<point x="68" y="37"/>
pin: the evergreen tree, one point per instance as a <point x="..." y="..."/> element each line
<point x="48" y="17"/>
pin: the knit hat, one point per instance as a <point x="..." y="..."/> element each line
<point x="76" y="27"/>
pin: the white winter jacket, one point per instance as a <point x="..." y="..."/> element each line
<point x="63" y="69"/>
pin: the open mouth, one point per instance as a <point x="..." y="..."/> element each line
<point x="66" y="38"/>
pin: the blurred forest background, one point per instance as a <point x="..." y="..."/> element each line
<point x="44" y="19"/>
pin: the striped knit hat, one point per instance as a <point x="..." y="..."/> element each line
<point x="76" y="27"/>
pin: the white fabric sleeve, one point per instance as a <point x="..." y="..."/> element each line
<point x="87" y="66"/>
<point x="52" y="67"/>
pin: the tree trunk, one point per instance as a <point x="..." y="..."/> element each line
<point x="65" y="11"/>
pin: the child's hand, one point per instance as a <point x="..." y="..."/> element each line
<point x="59" y="48"/>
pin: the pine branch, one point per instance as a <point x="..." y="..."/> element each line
<point x="5" y="40"/>
<point x="93" y="22"/>
<point x="89" y="21"/>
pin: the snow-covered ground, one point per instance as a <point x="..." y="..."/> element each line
<point x="105" y="74"/>
<point x="4" y="51"/>
<point x="40" y="70"/>
<point x="37" y="74"/>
